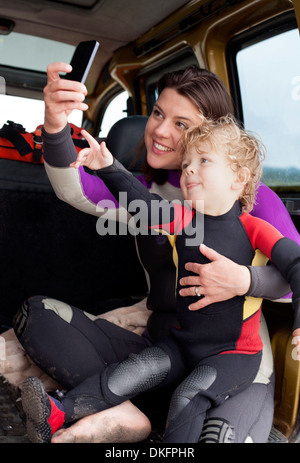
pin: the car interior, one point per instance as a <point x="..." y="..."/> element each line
<point x="50" y="248"/>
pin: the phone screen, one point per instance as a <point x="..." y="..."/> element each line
<point x="82" y="60"/>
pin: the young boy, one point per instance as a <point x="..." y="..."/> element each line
<point x="215" y="352"/>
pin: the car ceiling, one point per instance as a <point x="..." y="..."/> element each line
<point x="114" y="23"/>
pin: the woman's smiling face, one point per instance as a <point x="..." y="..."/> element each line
<point x="171" y="115"/>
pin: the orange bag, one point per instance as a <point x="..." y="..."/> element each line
<point x="19" y="145"/>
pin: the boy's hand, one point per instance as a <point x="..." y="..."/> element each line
<point x="95" y="157"/>
<point x="296" y="341"/>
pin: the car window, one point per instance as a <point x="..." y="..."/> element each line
<point x="28" y="112"/>
<point x="269" y="78"/>
<point x="32" y="53"/>
<point x="20" y="51"/>
<point x="116" y="110"/>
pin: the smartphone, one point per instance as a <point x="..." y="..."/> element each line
<point x="82" y="60"/>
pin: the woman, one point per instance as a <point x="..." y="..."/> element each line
<point x="183" y="95"/>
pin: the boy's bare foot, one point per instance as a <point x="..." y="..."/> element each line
<point x="121" y="424"/>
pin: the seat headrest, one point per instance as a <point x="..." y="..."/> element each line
<point x="125" y="141"/>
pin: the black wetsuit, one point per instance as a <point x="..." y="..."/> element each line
<point x="215" y="352"/>
<point x="71" y="346"/>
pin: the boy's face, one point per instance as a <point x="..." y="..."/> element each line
<point x="208" y="176"/>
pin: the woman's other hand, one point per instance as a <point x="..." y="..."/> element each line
<point x="216" y="281"/>
<point x="296" y="341"/>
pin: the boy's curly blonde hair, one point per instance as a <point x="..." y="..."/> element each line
<point x="242" y="148"/>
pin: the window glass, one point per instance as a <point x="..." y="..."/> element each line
<point x="34" y="53"/>
<point x="28" y="112"/>
<point x="116" y="110"/>
<point x="269" y="76"/>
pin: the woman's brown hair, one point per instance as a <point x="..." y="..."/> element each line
<point x="205" y="90"/>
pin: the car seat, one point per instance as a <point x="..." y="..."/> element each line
<point x="125" y="140"/>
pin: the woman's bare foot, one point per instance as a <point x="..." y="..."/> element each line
<point x="121" y="424"/>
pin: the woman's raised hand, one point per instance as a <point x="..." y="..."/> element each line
<point x="61" y="97"/>
<point x="95" y="157"/>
